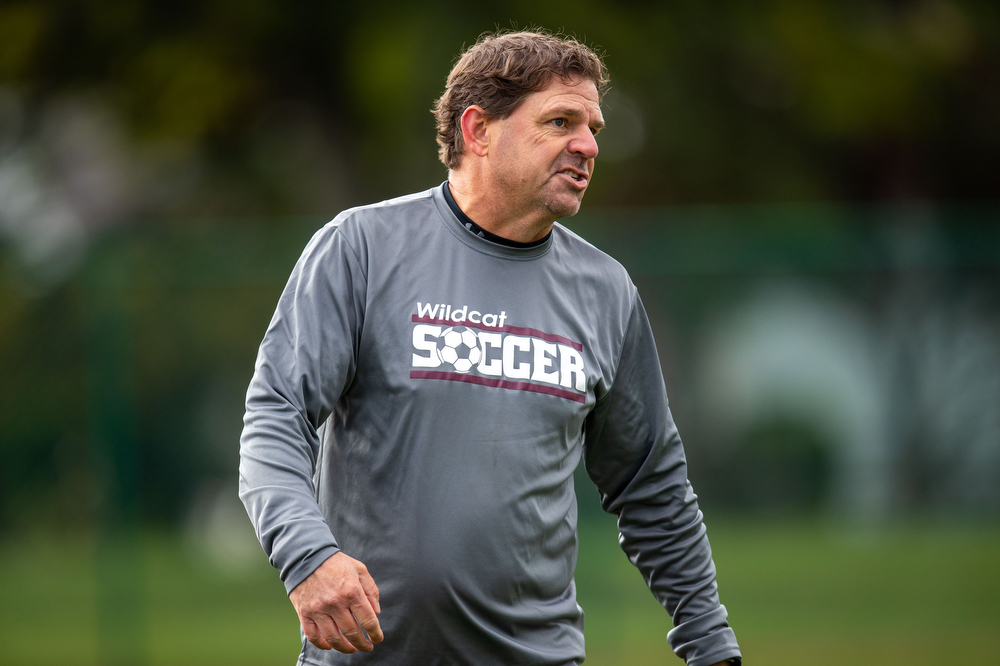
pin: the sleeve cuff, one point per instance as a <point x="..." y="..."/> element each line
<point x="705" y="640"/>
<point x="307" y="565"/>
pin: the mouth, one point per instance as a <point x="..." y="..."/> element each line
<point x="579" y="178"/>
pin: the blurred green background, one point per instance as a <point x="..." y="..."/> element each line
<point x="806" y="193"/>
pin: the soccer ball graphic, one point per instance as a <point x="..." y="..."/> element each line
<point x="458" y="346"/>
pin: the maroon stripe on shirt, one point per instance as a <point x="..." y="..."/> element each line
<point x="498" y="383"/>
<point x="516" y="330"/>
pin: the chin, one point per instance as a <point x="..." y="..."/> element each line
<point x="564" y="206"/>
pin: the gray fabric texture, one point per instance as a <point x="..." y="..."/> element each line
<point x="421" y="399"/>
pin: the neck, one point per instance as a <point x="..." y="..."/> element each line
<point x="493" y="212"/>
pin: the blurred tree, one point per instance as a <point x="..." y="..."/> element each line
<point x="787" y="99"/>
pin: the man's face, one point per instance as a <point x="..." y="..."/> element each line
<point x="543" y="157"/>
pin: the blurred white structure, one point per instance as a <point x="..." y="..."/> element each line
<point x="908" y="400"/>
<point x="61" y="180"/>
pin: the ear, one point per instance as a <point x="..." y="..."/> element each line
<point x="474" y="130"/>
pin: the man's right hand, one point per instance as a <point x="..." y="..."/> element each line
<point x="334" y="600"/>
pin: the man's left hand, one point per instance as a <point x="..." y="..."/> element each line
<point x="336" y="602"/>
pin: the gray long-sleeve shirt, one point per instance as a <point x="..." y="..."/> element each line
<point x="421" y="399"/>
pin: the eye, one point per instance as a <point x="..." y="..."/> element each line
<point x="559" y="122"/>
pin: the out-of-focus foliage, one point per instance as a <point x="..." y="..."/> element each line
<point x="302" y="107"/>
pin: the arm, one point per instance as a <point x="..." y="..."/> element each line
<point x="634" y="455"/>
<point x="306" y="361"/>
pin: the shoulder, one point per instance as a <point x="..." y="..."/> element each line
<point x="385" y="215"/>
<point x="591" y="262"/>
<point x="361" y="227"/>
<point x="597" y="279"/>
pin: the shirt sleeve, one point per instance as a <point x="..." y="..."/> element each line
<point x="635" y="457"/>
<point x="305" y="363"/>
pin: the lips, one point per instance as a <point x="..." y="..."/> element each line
<point x="578" y="177"/>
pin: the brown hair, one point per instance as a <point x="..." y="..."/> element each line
<point x="499" y="71"/>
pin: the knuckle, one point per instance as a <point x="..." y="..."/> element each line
<point x="333" y="601"/>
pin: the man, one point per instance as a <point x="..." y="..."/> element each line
<point x="437" y="366"/>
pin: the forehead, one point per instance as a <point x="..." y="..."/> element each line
<point x="581" y="92"/>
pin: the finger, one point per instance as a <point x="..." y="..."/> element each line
<point x="371" y="590"/>
<point x="351" y="630"/>
<point x="328" y="626"/>
<point x="364" y="615"/>
<point x="313" y="634"/>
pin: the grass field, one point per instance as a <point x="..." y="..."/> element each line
<point x="797" y="593"/>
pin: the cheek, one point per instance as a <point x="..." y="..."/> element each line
<point x="537" y="139"/>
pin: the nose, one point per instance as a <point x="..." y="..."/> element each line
<point x="584" y="143"/>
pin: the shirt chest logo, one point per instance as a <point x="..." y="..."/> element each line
<point x="463" y="345"/>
